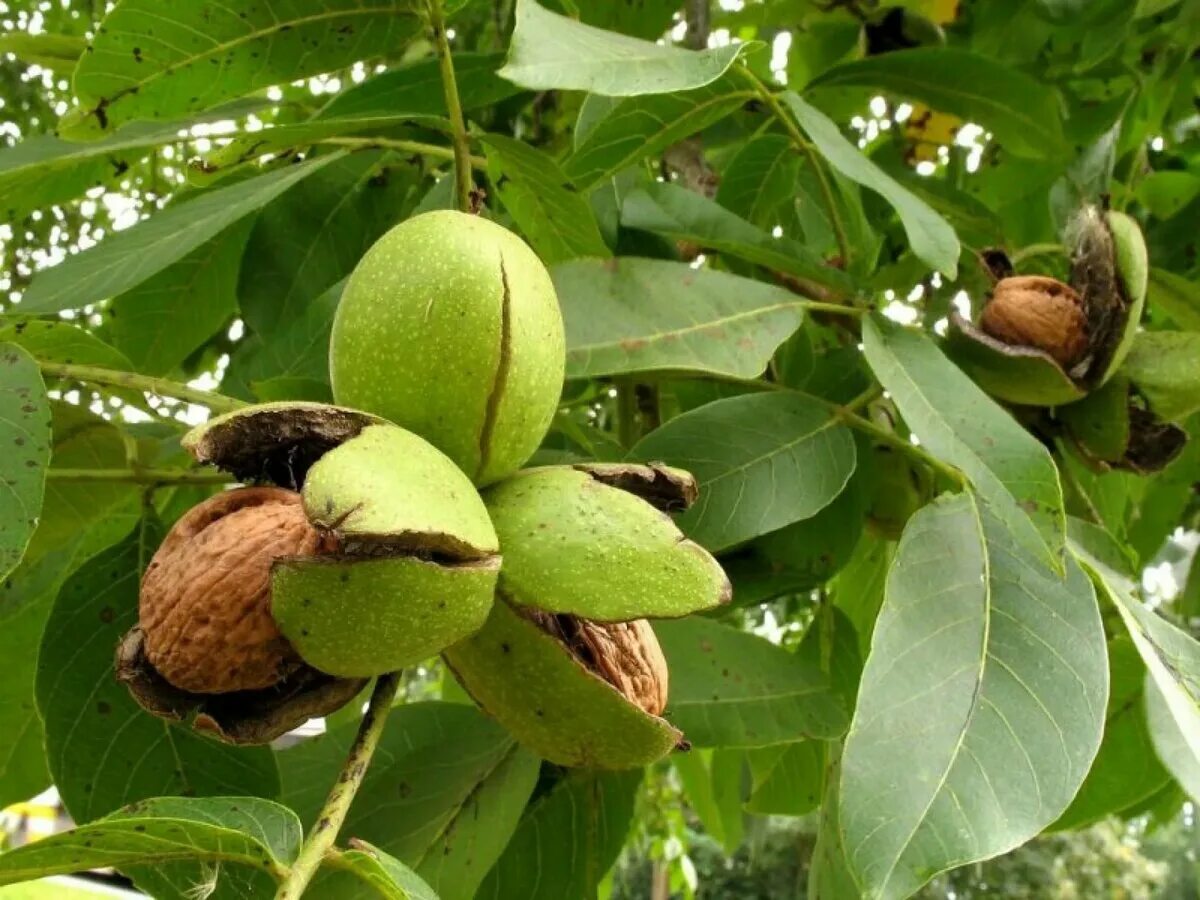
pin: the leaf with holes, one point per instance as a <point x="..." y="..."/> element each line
<point x="238" y="831"/>
<point x="981" y="706"/>
<point x="148" y="60"/>
<point x="25" y="437"/>
<point x="79" y="520"/>
<point x="762" y="461"/>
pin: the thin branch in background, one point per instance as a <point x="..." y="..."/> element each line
<point x="806" y="147"/>
<point x="698" y="22"/>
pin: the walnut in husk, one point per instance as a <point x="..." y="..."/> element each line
<point x="266" y="606"/>
<point x="1041" y="342"/>
<point x="567" y="661"/>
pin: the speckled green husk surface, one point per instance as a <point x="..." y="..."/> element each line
<point x="550" y="703"/>
<point x="369" y="616"/>
<point x="450" y="327"/>
<point x="573" y="544"/>
<point x="418" y="565"/>
<point x="389" y="485"/>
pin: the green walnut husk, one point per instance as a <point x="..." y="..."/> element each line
<point x="413" y="569"/>
<point x="1109" y="272"/>
<point x="585" y="547"/>
<point x="1113" y="429"/>
<point x="450" y="327"/>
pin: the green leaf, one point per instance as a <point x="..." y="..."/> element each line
<point x="444" y="794"/>
<point x="43" y="170"/>
<point x="981" y="706"/>
<point x="290" y="362"/>
<point x="643" y="315"/>
<point x="1176" y="296"/>
<point x="58" y="52"/>
<point x="104" y="751"/>
<point x="1023" y="112"/>
<point x="568" y="838"/>
<point x="147" y="61"/>
<point x="815" y="549"/>
<point x="961" y="425"/>
<point x="1126" y="770"/>
<point x="930" y="236"/>
<point x="760" y="178"/>
<point x="163" y="320"/>
<point x="1172" y="656"/>
<point x="127" y="258"/>
<point x="1169" y="742"/>
<point x="859" y="587"/>
<point x="1166" y="193"/>
<point x="415" y="89"/>
<point x="683" y="215"/>
<point x="25" y="437"/>
<point x="630" y="130"/>
<point x="387" y="876"/>
<point x="1165" y="367"/>
<point x="549" y="210"/>
<point x="788" y="778"/>
<point x="830" y="877"/>
<point x="78" y="520"/>
<point x="239" y="831"/>
<point x="307" y="239"/>
<point x="549" y="51"/>
<point x="762" y="461"/>
<point x="733" y="689"/>
<point x="712" y="781"/>
<point x="53" y="340"/>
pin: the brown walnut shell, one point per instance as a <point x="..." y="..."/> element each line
<point x="1040" y="312"/>
<point x="625" y="654"/>
<point x="205" y="606"/>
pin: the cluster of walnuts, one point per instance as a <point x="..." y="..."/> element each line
<point x="397" y="525"/>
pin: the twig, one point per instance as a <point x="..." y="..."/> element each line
<point x="333" y="814"/>
<point x="417" y="147"/>
<point x="458" y="126"/>
<point x="809" y="150"/>
<point x="163" y="387"/>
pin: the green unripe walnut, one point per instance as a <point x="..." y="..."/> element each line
<point x="567" y="662"/>
<point x="449" y="326"/>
